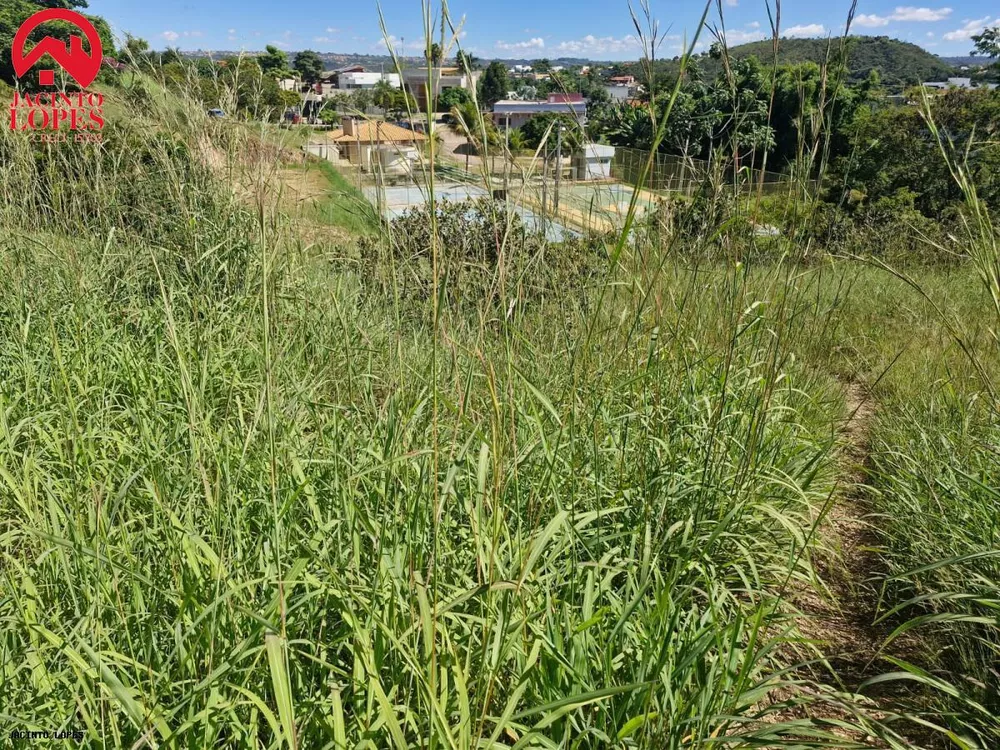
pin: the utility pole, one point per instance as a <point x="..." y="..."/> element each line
<point x="555" y="196"/>
<point x="545" y="166"/>
<point x="507" y="165"/>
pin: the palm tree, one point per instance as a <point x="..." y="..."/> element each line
<point x="516" y="140"/>
<point x="466" y="61"/>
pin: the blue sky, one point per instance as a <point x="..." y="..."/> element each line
<point x="524" y="28"/>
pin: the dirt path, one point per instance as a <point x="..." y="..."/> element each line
<point x="843" y="622"/>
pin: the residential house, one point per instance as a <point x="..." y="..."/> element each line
<point x="373" y="143"/>
<point x="510" y="113"/>
<point x="416" y="80"/>
<point x="620" y="92"/>
<point x="958" y="83"/>
<point x="354" y="77"/>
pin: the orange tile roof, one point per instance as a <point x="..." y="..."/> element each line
<point x="376" y="132"/>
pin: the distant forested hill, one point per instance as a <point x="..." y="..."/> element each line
<point x="900" y="64"/>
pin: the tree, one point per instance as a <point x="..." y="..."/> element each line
<point x="13" y="13"/>
<point x="988" y="45"/>
<point x="466" y="61"/>
<point x="534" y="131"/>
<point x="468" y="121"/>
<point x="361" y="100"/>
<point x="62" y="3"/>
<point x="309" y="65"/>
<point x="452" y="97"/>
<point x="274" y="62"/>
<point x="402" y="103"/>
<point x="494" y="85"/>
<point x="134" y="49"/>
<point x="171" y="55"/>
<point x="384" y="95"/>
<point x="516" y="141"/>
<point x="542" y="66"/>
<point x="437" y="54"/>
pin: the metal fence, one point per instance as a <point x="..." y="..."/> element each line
<point x="670" y="173"/>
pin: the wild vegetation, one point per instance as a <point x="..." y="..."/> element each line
<point x="446" y="484"/>
<point x="899" y="64"/>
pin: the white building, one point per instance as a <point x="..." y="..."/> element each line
<point x="620" y="92"/>
<point x="367" y="80"/>
<point x="958" y="83"/>
<point x="593" y="162"/>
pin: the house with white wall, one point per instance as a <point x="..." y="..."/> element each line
<point x="509" y="113"/>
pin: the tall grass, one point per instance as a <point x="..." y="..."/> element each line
<point x="249" y="498"/>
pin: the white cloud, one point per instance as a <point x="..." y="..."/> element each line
<point x="806" y="30"/>
<point x="909" y="13"/>
<point x="732" y="3"/>
<point x="322" y="39"/>
<point x="331" y="30"/>
<point x="535" y="43"/>
<point x="283" y="45"/>
<point x="173" y="36"/>
<point x="930" y="34"/>
<point x="232" y="31"/>
<point x="396" y="43"/>
<point x="750" y="33"/>
<point x="870" y="20"/>
<point x="592" y="45"/>
<point x="970" y="29"/>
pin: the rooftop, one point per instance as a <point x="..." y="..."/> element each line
<point x="375" y="132"/>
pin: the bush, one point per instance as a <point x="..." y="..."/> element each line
<point x="484" y="253"/>
<point x="453" y="97"/>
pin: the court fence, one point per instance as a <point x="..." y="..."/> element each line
<point x="676" y="174"/>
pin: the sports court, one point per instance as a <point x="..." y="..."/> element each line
<point x="397" y="200"/>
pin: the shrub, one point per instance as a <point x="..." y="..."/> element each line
<point x="484" y="253"/>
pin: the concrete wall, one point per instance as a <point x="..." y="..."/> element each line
<point x="367" y="80"/>
<point x="327" y="151"/>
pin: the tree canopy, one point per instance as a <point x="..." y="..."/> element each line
<point x="494" y="85"/>
<point x="62" y="3"/>
<point x="309" y="65"/>
<point x="466" y="61"/>
<point x="452" y="97"/>
<point x="274" y="62"/>
<point x="13" y="13"/>
<point x="900" y="64"/>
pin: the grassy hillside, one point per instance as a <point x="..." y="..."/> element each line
<point x="452" y="492"/>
